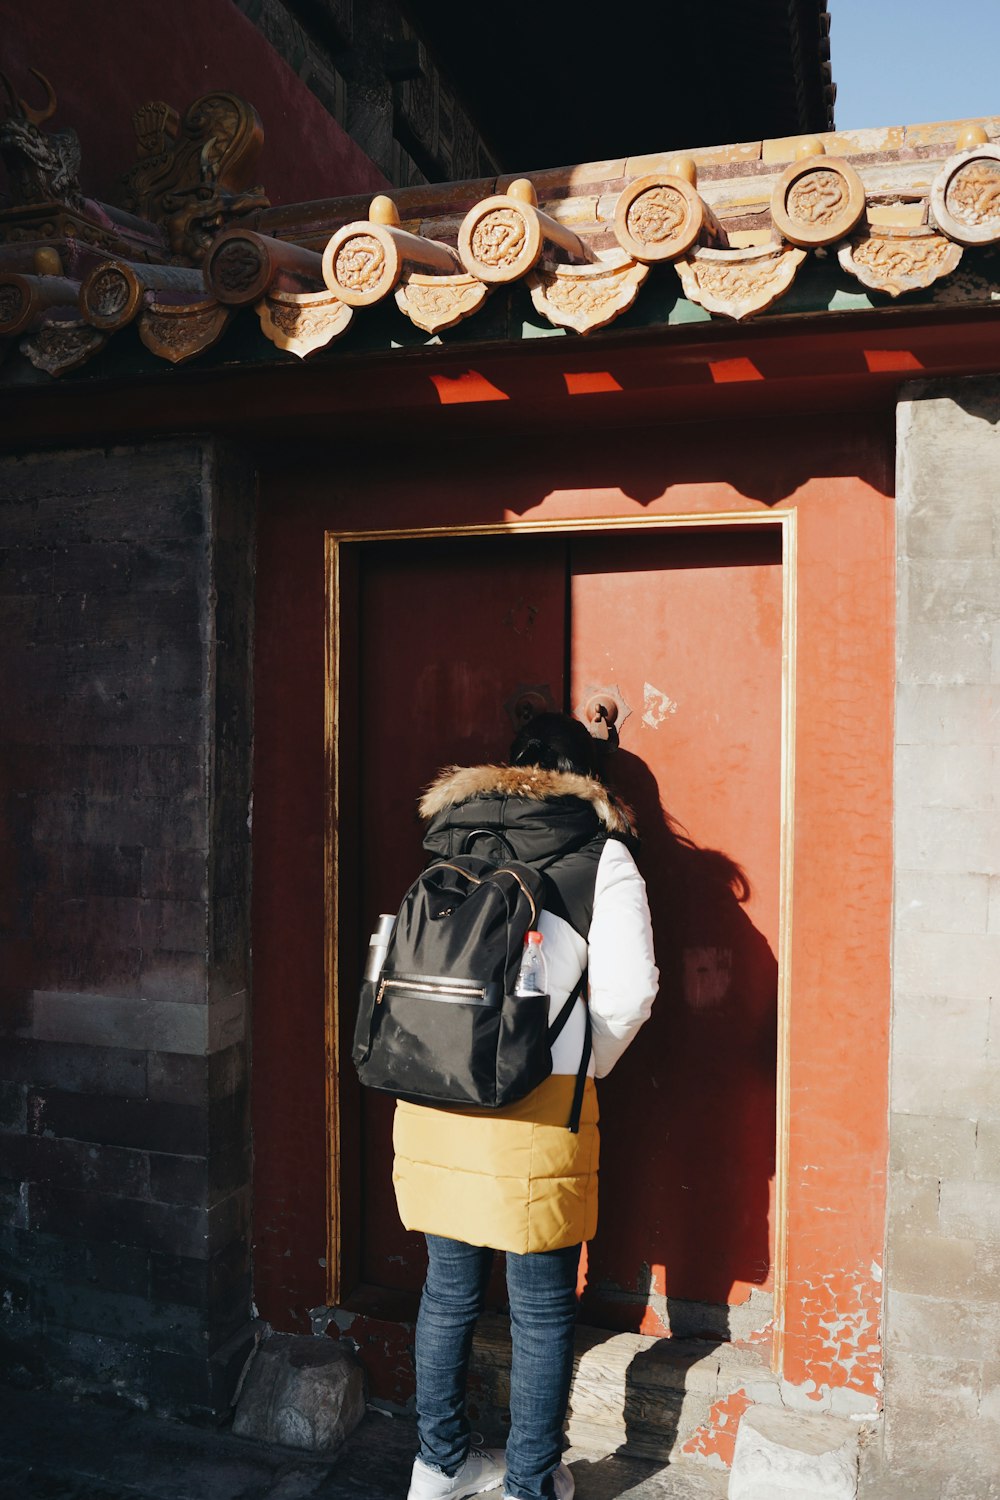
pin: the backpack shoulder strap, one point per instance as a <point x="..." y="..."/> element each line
<point x="565" y="1010"/>
<point x="571" y="878"/>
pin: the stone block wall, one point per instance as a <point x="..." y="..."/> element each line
<point x="125" y="629"/>
<point x="943" y="1266"/>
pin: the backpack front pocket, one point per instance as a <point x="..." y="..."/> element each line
<point x="436" y="1040"/>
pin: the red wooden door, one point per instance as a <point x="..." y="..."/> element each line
<point x="450" y="630"/>
<point x="686" y="626"/>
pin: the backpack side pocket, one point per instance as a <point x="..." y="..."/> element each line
<point x="524" y="1057"/>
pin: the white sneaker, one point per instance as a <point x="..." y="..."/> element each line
<point x="564" y="1486"/>
<point x="483" y="1470"/>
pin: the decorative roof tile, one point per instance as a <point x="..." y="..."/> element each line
<point x="730" y="227"/>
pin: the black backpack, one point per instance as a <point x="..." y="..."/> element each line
<point x="441" y="1025"/>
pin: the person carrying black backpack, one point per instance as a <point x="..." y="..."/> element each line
<point x="515" y="1178"/>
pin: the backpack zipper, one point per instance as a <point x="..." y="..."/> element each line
<point x="444" y="864"/>
<point x="506" y="870"/>
<point x="500" y="870"/>
<point x="434" y="986"/>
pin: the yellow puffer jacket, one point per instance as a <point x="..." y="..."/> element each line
<point x="513" y="1178"/>
<point x="516" y="1178"/>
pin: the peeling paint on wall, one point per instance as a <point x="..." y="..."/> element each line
<point x="708" y="976"/>
<point x="842" y="1312"/>
<point x="657" y="705"/>
<point x="715" y="1442"/>
<point x="521" y="616"/>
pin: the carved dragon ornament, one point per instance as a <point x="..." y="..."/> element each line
<point x="194" y="174"/>
<point x="42" y="166"/>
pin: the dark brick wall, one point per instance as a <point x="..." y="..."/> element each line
<point x="125" y="626"/>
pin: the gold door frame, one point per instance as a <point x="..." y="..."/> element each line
<point x="786" y="521"/>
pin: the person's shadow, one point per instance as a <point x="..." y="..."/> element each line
<point x="687" y="1132"/>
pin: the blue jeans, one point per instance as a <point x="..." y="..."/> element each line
<point x="542" y="1293"/>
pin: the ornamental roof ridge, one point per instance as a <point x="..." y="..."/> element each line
<point x="906" y="145"/>
<point x="722" y="231"/>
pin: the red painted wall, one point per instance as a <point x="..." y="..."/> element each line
<point x="835" y="472"/>
<point x="104" y="60"/>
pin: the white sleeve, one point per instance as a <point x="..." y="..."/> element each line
<point x="623" y="974"/>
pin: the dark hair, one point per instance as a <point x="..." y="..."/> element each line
<point x="555" y="742"/>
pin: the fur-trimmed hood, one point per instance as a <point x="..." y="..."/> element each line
<point x="457" y="784"/>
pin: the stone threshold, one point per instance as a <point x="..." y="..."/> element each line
<point x="632" y="1395"/>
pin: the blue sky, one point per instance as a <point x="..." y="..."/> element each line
<point x="898" y="62"/>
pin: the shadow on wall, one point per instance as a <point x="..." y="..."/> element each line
<point x="755" y="461"/>
<point x="688" y="1116"/>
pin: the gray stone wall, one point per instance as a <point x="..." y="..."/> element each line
<point x="125" y="628"/>
<point x="943" y="1266"/>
